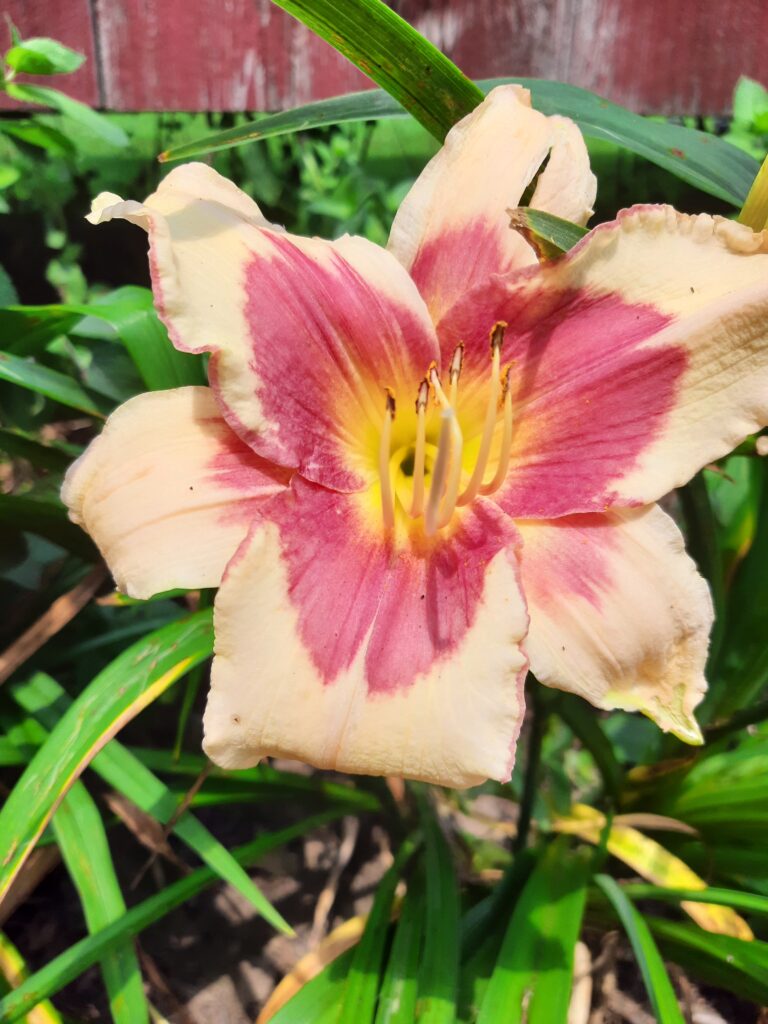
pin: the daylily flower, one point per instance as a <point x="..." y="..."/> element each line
<point x="418" y="470"/>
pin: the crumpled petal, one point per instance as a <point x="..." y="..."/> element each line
<point x="638" y="358"/>
<point x="338" y="650"/>
<point x="305" y="334"/>
<point x="168" y="491"/>
<point x="619" y="614"/>
<point x="452" y="229"/>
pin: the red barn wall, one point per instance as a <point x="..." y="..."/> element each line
<point x="662" y="56"/>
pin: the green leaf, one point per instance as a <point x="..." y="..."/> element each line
<point x="8" y="293"/>
<point x="657" y="983"/>
<point x="438" y="976"/>
<point x="40" y="56"/>
<point x="43" y="697"/>
<point x="82" y="840"/>
<point x="12" y="966"/>
<point x="47" y="518"/>
<point x="96" y="123"/>
<point x="394" y="55"/>
<point x="318" y="1000"/>
<point x="126" y="686"/>
<point x="55" y="457"/>
<point x="739" y="966"/>
<point x="41" y="379"/>
<point x="131" y="312"/>
<point x="399" y="988"/>
<point x="26" y="330"/>
<point x="747" y="901"/>
<point x="83" y="954"/>
<point x="35" y="133"/>
<point x="708" y="162"/>
<point x="533" y="975"/>
<point x="549" y="236"/>
<point x="359" y="999"/>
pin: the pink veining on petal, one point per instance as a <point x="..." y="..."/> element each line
<point x="338" y="339"/>
<point x="247" y="477"/>
<point x="574" y="560"/>
<point x="447" y="266"/>
<point x="413" y="606"/>
<point x="589" y="394"/>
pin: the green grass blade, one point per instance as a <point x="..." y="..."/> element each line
<point x="12" y="966"/>
<point x="657" y="983"/>
<point x="533" y="975"/>
<point x="126" y="686"/>
<point x="317" y="1001"/>
<point x="359" y="999"/>
<point x="83" y="954"/>
<point x="748" y="902"/>
<point x="739" y="966"/>
<point x="394" y="55"/>
<point x="438" y="977"/>
<point x="44" y="381"/>
<point x="399" y="988"/>
<point x="708" y="162"/>
<point x="43" y="697"/>
<point x="82" y="840"/>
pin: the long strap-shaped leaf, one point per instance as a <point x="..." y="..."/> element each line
<point x="83" y="954"/>
<point x="706" y="161"/>
<point x="394" y="55"/>
<point x="131" y="682"/>
<point x="43" y="697"/>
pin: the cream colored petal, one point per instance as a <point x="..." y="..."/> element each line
<point x="304" y="334"/>
<point x="454" y="725"/>
<point x="619" y="613"/>
<point x="452" y="230"/>
<point x="167" y="491"/>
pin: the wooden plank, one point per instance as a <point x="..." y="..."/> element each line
<point x="70" y="22"/>
<point x="213" y="55"/>
<point x="652" y="55"/>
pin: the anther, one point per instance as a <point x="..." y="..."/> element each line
<point x="496" y="335"/>
<point x="385" y="478"/>
<point x="455" y="372"/>
<point x="417" y="502"/>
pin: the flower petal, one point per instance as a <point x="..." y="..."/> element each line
<point x="335" y="648"/>
<point x="452" y="230"/>
<point x="168" y="491"/>
<point x="637" y="359"/>
<point x="305" y="334"/>
<point x="619" y="614"/>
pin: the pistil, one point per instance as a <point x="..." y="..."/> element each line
<point x="439" y="473"/>
<point x="476" y="480"/>
<point x="385" y="477"/>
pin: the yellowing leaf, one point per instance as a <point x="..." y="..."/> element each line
<point x="14" y="971"/>
<point x="754" y="213"/>
<point x="653" y="862"/>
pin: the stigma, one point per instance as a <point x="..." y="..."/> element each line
<point x="441" y="482"/>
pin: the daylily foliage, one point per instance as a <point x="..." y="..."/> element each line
<point x="419" y="471"/>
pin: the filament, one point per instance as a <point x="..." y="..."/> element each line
<point x="476" y="480"/>
<point x="417" y="502"/>
<point x="439" y="473"/>
<point x="506" y="444"/>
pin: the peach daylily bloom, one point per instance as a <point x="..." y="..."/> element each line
<point x="418" y="470"/>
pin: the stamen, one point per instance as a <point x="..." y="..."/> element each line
<point x="455" y="372"/>
<point x="439" y="473"/>
<point x="506" y="442"/>
<point x="417" y="503"/>
<point x="385" y="478"/>
<point x="476" y="480"/>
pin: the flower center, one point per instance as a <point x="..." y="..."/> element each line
<point x="430" y="478"/>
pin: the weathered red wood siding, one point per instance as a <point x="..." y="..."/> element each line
<point x="665" y="56"/>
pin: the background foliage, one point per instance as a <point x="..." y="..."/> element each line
<point x="607" y="826"/>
